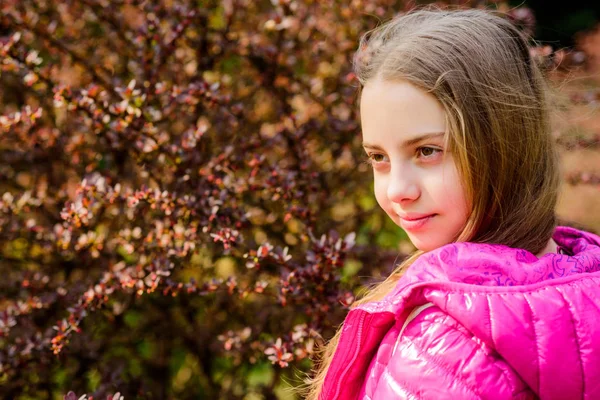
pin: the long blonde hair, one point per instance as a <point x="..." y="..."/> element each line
<point x="477" y="64"/>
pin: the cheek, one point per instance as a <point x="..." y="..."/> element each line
<point x="453" y="196"/>
<point x="380" y="186"/>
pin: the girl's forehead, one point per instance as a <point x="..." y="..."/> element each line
<point x="397" y="110"/>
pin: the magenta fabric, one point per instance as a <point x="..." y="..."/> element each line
<point x="503" y="325"/>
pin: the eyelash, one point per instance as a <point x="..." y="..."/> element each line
<point x="371" y="161"/>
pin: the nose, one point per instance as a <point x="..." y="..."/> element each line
<point x="403" y="186"/>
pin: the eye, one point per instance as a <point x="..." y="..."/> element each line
<point x="376" y="158"/>
<point x="428" y="152"/>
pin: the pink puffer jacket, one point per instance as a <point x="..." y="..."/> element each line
<point x="491" y="322"/>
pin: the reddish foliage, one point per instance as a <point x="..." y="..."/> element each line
<point x="181" y="190"/>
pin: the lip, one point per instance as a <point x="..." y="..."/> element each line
<point x="414" y="216"/>
<point x="412" y="222"/>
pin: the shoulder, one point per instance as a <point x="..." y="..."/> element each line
<point x="437" y="357"/>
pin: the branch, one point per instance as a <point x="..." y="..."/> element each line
<point x="48" y="37"/>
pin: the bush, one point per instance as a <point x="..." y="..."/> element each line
<point x="184" y="212"/>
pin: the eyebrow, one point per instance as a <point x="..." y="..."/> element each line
<point x="409" y="142"/>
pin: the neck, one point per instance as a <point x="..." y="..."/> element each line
<point x="551" y="247"/>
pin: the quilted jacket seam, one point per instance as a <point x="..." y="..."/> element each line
<point x="489" y="313"/>
<point x="502" y="370"/>
<point x="577" y="340"/>
<point x="537" y="345"/>
<point x="403" y="385"/>
<point x="485" y="290"/>
<point x="444" y="368"/>
<point x="524" y="392"/>
<point x="584" y="293"/>
<point x="469" y="336"/>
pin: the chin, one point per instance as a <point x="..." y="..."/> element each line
<point x="426" y="244"/>
<point x="427" y="248"/>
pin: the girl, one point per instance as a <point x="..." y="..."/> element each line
<point x="499" y="302"/>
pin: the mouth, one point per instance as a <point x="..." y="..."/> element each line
<point x="413" y="223"/>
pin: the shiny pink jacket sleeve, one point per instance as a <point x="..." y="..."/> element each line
<point x="438" y="358"/>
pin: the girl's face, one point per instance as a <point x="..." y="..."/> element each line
<point x="416" y="179"/>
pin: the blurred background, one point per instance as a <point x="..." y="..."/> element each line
<point x="185" y="210"/>
<point x="576" y="27"/>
